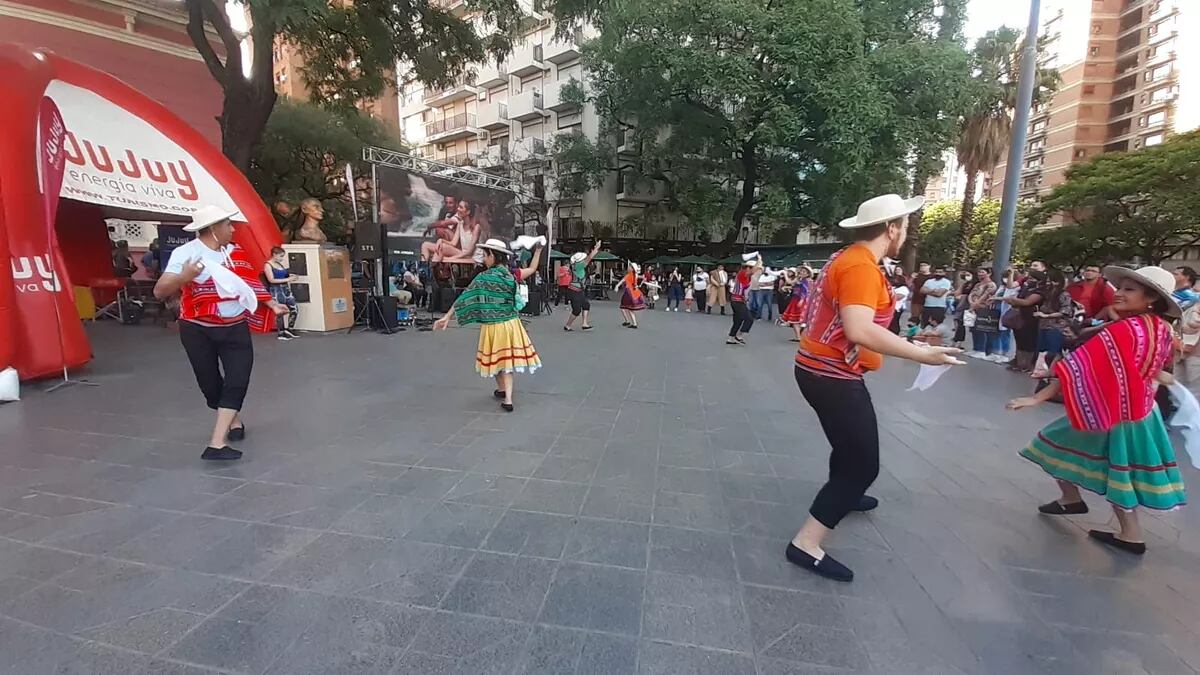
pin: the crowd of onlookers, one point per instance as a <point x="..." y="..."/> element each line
<point x="1025" y="318"/>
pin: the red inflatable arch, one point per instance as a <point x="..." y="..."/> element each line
<point x="126" y="156"/>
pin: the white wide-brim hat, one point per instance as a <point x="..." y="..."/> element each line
<point x="578" y="257"/>
<point x="882" y="209"/>
<point x="207" y="216"/>
<point x="1152" y="277"/>
<point x="750" y="258"/>
<point x="496" y="245"/>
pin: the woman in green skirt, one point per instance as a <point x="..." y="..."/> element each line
<point x="1113" y="441"/>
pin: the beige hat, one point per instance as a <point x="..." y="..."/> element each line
<point x="882" y="209"/>
<point x="578" y="257"/>
<point x="207" y="216"/>
<point x="1152" y="277"/>
<point x="496" y="245"/>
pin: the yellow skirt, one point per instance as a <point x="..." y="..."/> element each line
<point x="505" y="348"/>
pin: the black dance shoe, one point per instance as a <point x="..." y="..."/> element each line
<point x="826" y="567"/>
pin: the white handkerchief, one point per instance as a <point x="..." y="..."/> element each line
<point x="231" y="287"/>
<point x="927" y="375"/>
<point x="526" y="242"/>
<point x="1187" y="420"/>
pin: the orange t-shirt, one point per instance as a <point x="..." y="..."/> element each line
<point x="852" y="277"/>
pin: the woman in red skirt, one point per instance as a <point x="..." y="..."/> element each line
<point x="798" y="305"/>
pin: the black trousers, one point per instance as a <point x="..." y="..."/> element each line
<point x="701" y="297"/>
<point x="213" y="349"/>
<point x="848" y="418"/>
<point x="579" y="302"/>
<point x="742" y="318"/>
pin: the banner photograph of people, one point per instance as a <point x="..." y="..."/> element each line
<point x="448" y="218"/>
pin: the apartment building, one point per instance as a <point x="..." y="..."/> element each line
<point x="951" y="181"/>
<point x="288" y="75"/>
<point x="1130" y="78"/>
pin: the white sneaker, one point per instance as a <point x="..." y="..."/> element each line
<point x="1000" y="358"/>
<point x="976" y="355"/>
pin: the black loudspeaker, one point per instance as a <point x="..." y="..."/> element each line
<point x="366" y="240"/>
<point x="444" y="299"/>
<point x="382" y="314"/>
<point x="534" y="306"/>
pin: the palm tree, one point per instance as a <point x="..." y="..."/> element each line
<point x="986" y="130"/>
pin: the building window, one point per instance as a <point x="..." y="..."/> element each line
<point x="1156" y="118"/>
<point x="1151" y="52"/>
<point x="1093" y="51"/>
<point x="1152" y="139"/>
<point x="1096" y="28"/>
<point x="1039" y="126"/>
<point x="1080" y="154"/>
<point x="1160" y="94"/>
<point x="1158" y="73"/>
<point x="1034" y="146"/>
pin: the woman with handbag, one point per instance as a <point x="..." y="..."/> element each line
<point x="979" y="303"/>
<point x="1020" y="318"/>
<point x="491" y="300"/>
<point x="1113" y="441"/>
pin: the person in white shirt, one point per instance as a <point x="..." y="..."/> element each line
<point x="700" y="289"/>
<point x="937" y="292"/>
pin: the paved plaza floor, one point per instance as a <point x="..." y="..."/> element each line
<point x="629" y="517"/>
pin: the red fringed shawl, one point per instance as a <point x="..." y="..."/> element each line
<point x="199" y="301"/>
<point x="1110" y="378"/>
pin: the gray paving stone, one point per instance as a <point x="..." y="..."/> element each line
<point x="456" y="524"/>
<point x="593" y="597"/>
<point x="688" y="481"/>
<point x="607" y="542"/>
<point x="551" y="497"/>
<point x="806" y="627"/>
<point x="351" y="635"/>
<point x="532" y="534"/>
<point x="560" y="651"/>
<point x="691" y="552"/>
<point x="252" y="551"/>
<point x="486" y="490"/>
<point x="691" y="511"/>
<point x="632" y="504"/>
<point x="504" y="586"/>
<point x="666" y="659"/>
<point x="384" y="516"/>
<point x="690" y="610"/>
<point x="571" y="469"/>
<point x="458" y="643"/>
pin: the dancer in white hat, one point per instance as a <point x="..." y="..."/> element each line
<point x="575" y="289"/>
<point x="848" y="314"/>
<point x="222" y="301"/>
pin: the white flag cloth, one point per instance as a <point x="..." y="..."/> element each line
<point x="526" y="242"/>
<point x="232" y="287"/>
<point x="927" y="375"/>
<point x="1187" y="420"/>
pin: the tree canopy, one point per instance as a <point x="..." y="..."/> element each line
<point x="940" y="232"/>
<point x="752" y="112"/>
<point x="304" y="152"/>
<point x="1143" y="203"/>
<point x="350" y="50"/>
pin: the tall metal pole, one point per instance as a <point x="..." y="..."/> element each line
<point x="1016" y="148"/>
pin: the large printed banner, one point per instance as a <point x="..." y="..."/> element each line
<point x="115" y="158"/>
<point x="440" y="219"/>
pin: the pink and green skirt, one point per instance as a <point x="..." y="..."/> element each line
<point x="1132" y="464"/>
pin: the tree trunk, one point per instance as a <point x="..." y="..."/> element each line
<point x="912" y="244"/>
<point x="243" y="118"/>
<point x="746" y="201"/>
<point x="964" y="221"/>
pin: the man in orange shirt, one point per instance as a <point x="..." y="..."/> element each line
<point x="848" y="317"/>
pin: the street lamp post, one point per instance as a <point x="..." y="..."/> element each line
<point x="1016" y="148"/>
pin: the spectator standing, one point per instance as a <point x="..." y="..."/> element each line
<point x="1054" y="320"/>
<point x="279" y="279"/>
<point x="1024" y="324"/>
<point x="700" y="289"/>
<point x="917" y="296"/>
<point x="151" y="262"/>
<point x="903" y="294"/>
<point x="1093" y="292"/>
<point x="674" y="289"/>
<point x="718" y="289"/>
<point x="983" y="342"/>
<point x="1185" y="282"/>
<point x="936" y="291"/>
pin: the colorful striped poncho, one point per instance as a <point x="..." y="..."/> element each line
<point x="1110" y="378"/>
<point x="490" y="298"/>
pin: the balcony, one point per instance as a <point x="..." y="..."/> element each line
<point x="527" y="59"/>
<point x="554" y="98"/>
<point x="464" y="88"/>
<point x="627" y="144"/>
<point x="462" y="125"/>
<point x="456" y="7"/>
<point x="493" y="156"/>
<point x="648" y="192"/>
<point x="492" y="74"/>
<point x="493" y="115"/>
<point x="567" y="50"/>
<point x="526" y="106"/>
<point x="528" y="150"/>
<point x="460" y="159"/>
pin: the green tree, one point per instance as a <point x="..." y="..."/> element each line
<point x="350" y="51"/>
<point x="987" y="127"/>
<point x="1071" y="247"/>
<point x="941" y="229"/>
<point x="1138" y="204"/>
<point x="750" y="112"/>
<point x="304" y="152"/>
